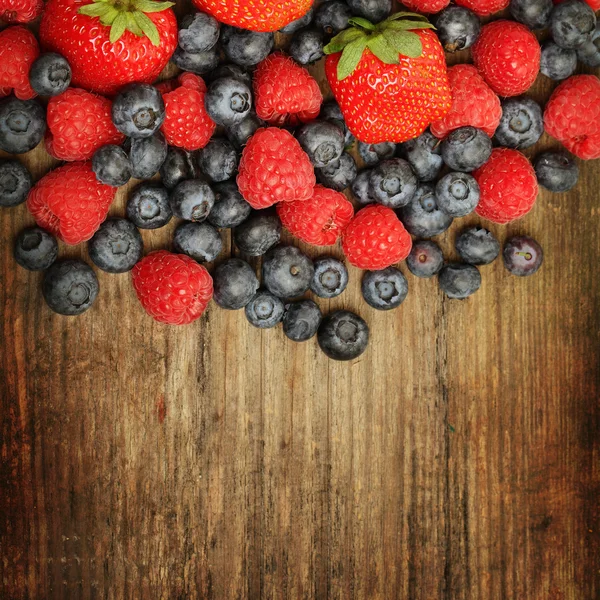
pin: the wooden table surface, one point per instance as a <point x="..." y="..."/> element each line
<point x="458" y="458"/>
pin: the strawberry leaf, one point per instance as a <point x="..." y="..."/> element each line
<point x="98" y="9"/>
<point x="118" y="27"/>
<point x="363" y="23"/>
<point x="405" y="43"/>
<point x="147" y="26"/>
<point x="404" y="15"/>
<point x="340" y="41"/>
<point x="405" y="25"/>
<point x="386" y="53"/>
<point x="149" y="6"/>
<point x="351" y="57"/>
<point x="133" y="26"/>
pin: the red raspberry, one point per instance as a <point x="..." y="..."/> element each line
<point x="572" y="115"/>
<point x="187" y="124"/>
<point x="376" y="239"/>
<point x="508" y="186"/>
<point x="473" y="103"/>
<point x="484" y="7"/>
<point x="79" y="123"/>
<point x="508" y="56"/>
<point x="426" y="6"/>
<point x="20" y="11"/>
<point x="274" y="168"/>
<point x="173" y="288"/>
<point x="18" y="50"/>
<point x="70" y="202"/>
<point x="284" y="92"/>
<point x="320" y="220"/>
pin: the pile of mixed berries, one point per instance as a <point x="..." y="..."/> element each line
<point x="243" y="139"/>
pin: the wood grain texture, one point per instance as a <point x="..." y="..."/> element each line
<point x="457" y="459"/>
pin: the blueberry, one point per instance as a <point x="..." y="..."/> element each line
<point x="35" y="249"/>
<point x="322" y="141"/>
<point x="257" y="234"/>
<point x="306" y="46"/>
<point x="218" y="160"/>
<point x="287" y="272"/>
<point x="201" y="241"/>
<point x="557" y="63"/>
<point x="338" y="175"/>
<point x="233" y="71"/>
<point x="178" y="166"/>
<point x="200" y="63"/>
<point x="361" y="188"/>
<point x="235" y="284"/>
<point x="15" y="182"/>
<point x="457" y="194"/>
<point x="239" y="133"/>
<point x="330" y="111"/>
<point x="372" y="154"/>
<point x="147" y="155"/>
<point x="22" y="125"/>
<point x="301" y="320"/>
<point x="70" y="287"/>
<point x="385" y="289"/>
<point x="393" y="183"/>
<point x="330" y="278"/>
<point x="477" y="246"/>
<point x="535" y="14"/>
<point x="425" y="259"/>
<point x="198" y="32"/>
<point x="522" y="255"/>
<point x="112" y="165"/>
<point x="138" y="110"/>
<point x="572" y="23"/>
<point x="343" y="335"/>
<point x="332" y="16"/>
<point x="228" y="101"/>
<point x="148" y="206"/>
<point x="458" y="28"/>
<point x="264" y="310"/>
<point x="459" y="281"/>
<point x="556" y="171"/>
<point x="373" y="10"/>
<point x="298" y="24"/>
<point x="192" y="200"/>
<point x="50" y="74"/>
<point x="589" y="52"/>
<point x="117" y="246"/>
<point x="424" y="156"/>
<point x="522" y="123"/>
<point x="230" y="208"/>
<point x="246" y="48"/>
<point x="466" y="149"/>
<point x="422" y="215"/>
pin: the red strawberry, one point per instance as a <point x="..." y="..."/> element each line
<point x="18" y="50"/>
<point x="274" y="168"/>
<point x="110" y="43"/>
<point x="484" y="7"/>
<point x="266" y="15"/>
<point x="284" y="92"/>
<point x="390" y="80"/>
<point x="20" y="11"/>
<point x="70" y="202"/>
<point x="426" y="6"/>
<point x="79" y="123"/>
<point x="173" y="288"/>
<point x="187" y="125"/>
<point x="319" y="220"/>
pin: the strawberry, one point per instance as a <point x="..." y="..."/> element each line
<point x="20" y="11"/>
<point x="266" y="15"/>
<point x="110" y="43"/>
<point x="390" y="79"/>
<point x="484" y="7"/>
<point x="18" y="50"/>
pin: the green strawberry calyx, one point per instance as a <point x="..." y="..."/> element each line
<point x="387" y="40"/>
<point x="127" y="15"/>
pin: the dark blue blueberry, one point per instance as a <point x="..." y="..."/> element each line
<point x="246" y="48"/>
<point x="228" y="101"/>
<point x="361" y="188"/>
<point x="332" y="17"/>
<point x="535" y="14"/>
<point x="556" y="171"/>
<point x="301" y="320"/>
<point x="258" y="233"/>
<point x="373" y="10"/>
<point x="22" y="125"/>
<point x="477" y="246"/>
<point x="235" y="284"/>
<point x="338" y="175"/>
<point x="201" y="241"/>
<point x="147" y="155"/>
<point x="466" y="149"/>
<point x="393" y="183"/>
<point x="422" y="216"/>
<point x="385" y="289"/>
<point x="306" y="46"/>
<point x="50" y="74"/>
<point x="230" y="209"/>
<point x="424" y="156"/>
<point x="15" y="182"/>
<point x="200" y="63"/>
<point x="148" y="206"/>
<point x="300" y="23"/>
<point x="178" y="166"/>
<point x="572" y="23"/>
<point x="330" y="111"/>
<point x="557" y="63"/>
<point x="589" y="53"/>
<point x="70" y="287"/>
<point x="192" y="200"/>
<point x="239" y="133"/>
<point x="218" y="160"/>
<point x="323" y="141"/>
<point x="287" y="272"/>
<point x="457" y="194"/>
<point x="264" y="310"/>
<point x="138" y="110"/>
<point x="343" y="335"/>
<point x="522" y="255"/>
<point x="117" y="246"/>
<point x="330" y="278"/>
<point x="35" y="249"/>
<point x="425" y="259"/>
<point x="372" y="154"/>
<point x="458" y="28"/>
<point x="111" y="165"/>
<point x="233" y="71"/>
<point x="198" y="32"/>
<point x="522" y="123"/>
<point x="459" y="281"/>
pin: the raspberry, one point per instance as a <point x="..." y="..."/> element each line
<point x="187" y="124"/>
<point x="572" y="116"/>
<point x="375" y="239"/>
<point x="18" y="50"/>
<point x="508" y="186"/>
<point x="20" y="11"/>
<point x="508" y="56"/>
<point x="319" y="220"/>
<point x="285" y="92"/>
<point x="484" y="7"/>
<point x="79" y="123"/>
<point x="426" y="6"/>
<point x="172" y="288"/>
<point x="70" y="202"/>
<point x="473" y="103"/>
<point x="274" y="168"/>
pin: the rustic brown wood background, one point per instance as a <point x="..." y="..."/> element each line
<point x="458" y="458"/>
